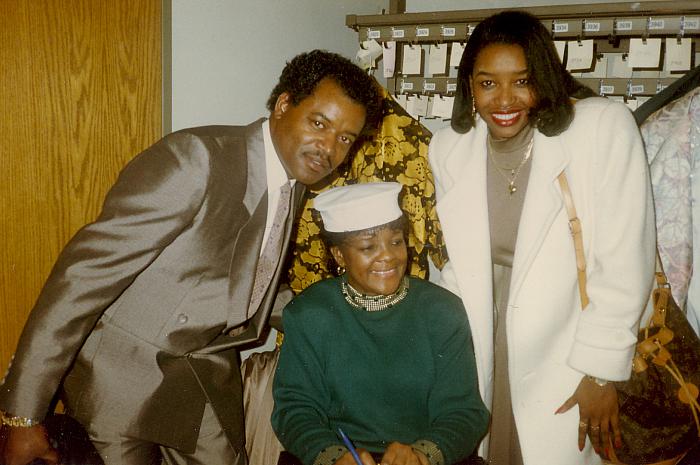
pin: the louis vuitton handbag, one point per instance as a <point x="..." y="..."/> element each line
<point x="659" y="410"/>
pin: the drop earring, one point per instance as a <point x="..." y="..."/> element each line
<point x="473" y="110"/>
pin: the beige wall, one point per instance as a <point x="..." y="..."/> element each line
<point x="227" y="55"/>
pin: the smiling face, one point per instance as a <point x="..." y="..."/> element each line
<point x="501" y="91"/>
<point x="374" y="260"/>
<point x="313" y="137"/>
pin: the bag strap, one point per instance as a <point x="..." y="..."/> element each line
<point x="576" y="233"/>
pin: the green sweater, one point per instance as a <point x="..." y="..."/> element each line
<point x="401" y="374"/>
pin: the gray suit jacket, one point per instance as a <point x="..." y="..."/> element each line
<point x="136" y="317"/>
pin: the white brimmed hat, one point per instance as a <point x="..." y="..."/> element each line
<point x="359" y="206"/>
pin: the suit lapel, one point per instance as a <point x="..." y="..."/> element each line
<point x="255" y="326"/>
<point x="249" y="242"/>
<point x="256" y="179"/>
<point x="249" y="238"/>
<point x="542" y="204"/>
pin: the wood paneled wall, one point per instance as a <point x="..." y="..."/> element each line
<point x="80" y="95"/>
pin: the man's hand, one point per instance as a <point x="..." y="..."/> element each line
<point x="22" y="445"/>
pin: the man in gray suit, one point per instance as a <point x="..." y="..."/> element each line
<point x="140" y="321"/>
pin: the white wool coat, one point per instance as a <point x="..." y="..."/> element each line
<point x="552" y="343"/>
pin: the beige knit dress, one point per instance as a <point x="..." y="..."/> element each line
<point x="505" y="208"/>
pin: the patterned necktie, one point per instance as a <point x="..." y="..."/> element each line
<point x="267" y="263"/>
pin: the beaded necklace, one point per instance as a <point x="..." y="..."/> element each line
<point x="373" y="303"/>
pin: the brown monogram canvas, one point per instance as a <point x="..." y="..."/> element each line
<point x="655" y="424"/>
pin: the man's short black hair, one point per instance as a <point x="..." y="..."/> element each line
<point x="302" y="74"/>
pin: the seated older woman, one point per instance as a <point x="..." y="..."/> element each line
<point x="386" y="358"/>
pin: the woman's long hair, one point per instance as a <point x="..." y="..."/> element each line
<point x="551" y="83"/>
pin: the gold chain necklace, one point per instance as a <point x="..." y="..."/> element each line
<point x="514" y="172"/>
<point x="373" y="303"/>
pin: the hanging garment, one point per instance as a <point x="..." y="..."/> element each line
<point x="672" y="142"/>
<point x="678" y="88"/>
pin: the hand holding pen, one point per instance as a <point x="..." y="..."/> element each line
<point x="351" y="448"/>
<point x="396" y="454"/>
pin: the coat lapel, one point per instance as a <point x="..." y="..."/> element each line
<point x="255" y="326"/>
<point x="542" y="203"/>
<point x="249" y="242"/>
<point x="463" y="213"/>
<point x="249" y="238"/>
<point x="256" y="179"/>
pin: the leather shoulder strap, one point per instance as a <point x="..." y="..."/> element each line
<point x="576" y="233"/>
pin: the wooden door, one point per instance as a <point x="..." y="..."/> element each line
<point x="80" y="95"/>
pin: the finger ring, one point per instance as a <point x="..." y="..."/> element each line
<point x="595" y="428"/>
<point x="582" y="424"/>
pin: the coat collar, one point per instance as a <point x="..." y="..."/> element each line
<point x="463" y="210"/>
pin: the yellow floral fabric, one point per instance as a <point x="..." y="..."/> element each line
<point x="398" y="152"/>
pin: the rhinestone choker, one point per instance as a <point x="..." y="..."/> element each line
<point x="373" y="303"/>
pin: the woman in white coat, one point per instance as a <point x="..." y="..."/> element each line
<point x="519" y="121"/>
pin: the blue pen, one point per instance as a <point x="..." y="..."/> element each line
<point x="350" y="447"/>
